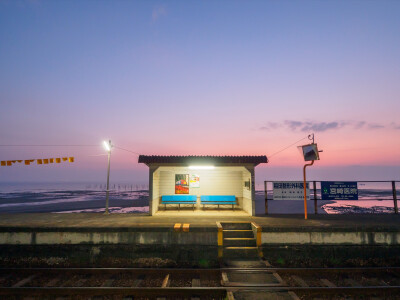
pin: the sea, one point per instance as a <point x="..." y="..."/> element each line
<point x="78" y="197"/>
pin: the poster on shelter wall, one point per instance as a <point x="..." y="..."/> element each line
<point x="194" y="181"/>
<point x="290" y="190"/>
<point x="181" y="183"/>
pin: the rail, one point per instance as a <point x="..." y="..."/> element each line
<point x="105" y="282"/>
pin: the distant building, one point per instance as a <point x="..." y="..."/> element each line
<point x="202" y="176"/>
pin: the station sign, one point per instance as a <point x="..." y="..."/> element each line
<point x="339" y="190"/>
<point x="290" y="190"/>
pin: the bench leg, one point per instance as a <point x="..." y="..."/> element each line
<point x="233" y="208"/>
<point x="179" y="207"/>
<point x="218" y="206"/>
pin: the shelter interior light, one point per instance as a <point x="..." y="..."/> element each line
<point x="201" y="167"/>
<point x="106" y="146"/>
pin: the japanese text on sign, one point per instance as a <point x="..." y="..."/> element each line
<point x="334" y="190"/>
<point x="289" y="190"/>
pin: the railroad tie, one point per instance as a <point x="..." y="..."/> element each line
<point x="224" y="279"/>
<point x="52" y="282"/>
<point x="108" y="283"/>
<point x="352" y="282"/>
<point x="138" y="281"/>
<point x="165" y="282"/>
<point x="328" y="283"/>
<point x="196" y="282"/>
<point x="24" y="281"/>
<point x="293" y="295"/>
<point x="80" y="282"/>
<point x="299" y="281"/>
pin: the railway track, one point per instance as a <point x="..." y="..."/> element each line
<point x="219" y="283"/>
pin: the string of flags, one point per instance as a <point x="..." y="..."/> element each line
<point x="39" y="161"/>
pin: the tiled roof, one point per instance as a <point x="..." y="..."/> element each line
<point x="192" y="159"/>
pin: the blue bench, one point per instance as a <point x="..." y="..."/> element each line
<point x="179" y="199"/>
<point x="218" y="200"/>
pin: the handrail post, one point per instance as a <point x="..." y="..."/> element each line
<point x="396" y="209"/>
<point x="266" y="197"/>
<point x="315" y="198"/>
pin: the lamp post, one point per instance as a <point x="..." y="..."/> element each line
<point x="108" y="146"/>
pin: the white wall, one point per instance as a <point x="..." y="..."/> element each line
<point x="247" y="193"/>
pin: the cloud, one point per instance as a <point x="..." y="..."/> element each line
<point x="293" y="124"/>
<point x="270" y="125"/>
<point x="158" y="12"/>
<point x="395" y="126"/>
<point x="375" y="126"/>
<point x="314" y="126"/>
<point x="321" y="126"/>
<point x="359" y="125"/>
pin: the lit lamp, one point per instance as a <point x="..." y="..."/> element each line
<point x="201" y="167"/>
<point x="108" y="147"/>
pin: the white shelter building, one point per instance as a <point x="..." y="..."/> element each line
<point x="204" y="182"/>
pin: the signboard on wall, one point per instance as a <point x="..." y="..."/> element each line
<point x="194" y="181"/>
<point x="181" y="183"/>
<point x="290" y="190"/>
<point x="339" y="190"/>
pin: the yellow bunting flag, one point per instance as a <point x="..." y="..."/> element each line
<point x="39" y="161"/>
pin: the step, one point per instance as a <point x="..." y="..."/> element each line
<point x="238" y="233"/>
<point x="240" y="252"/>
<point x="243" y="263"/>
<point x="236" y="226"/>
<point x="252" y="278"/>
<point x="240" y="242"/>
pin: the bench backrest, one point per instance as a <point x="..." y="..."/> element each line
<point x="229" y="199"/>
<point x="179" y="199"/>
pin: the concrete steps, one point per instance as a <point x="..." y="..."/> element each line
<point x="238" y="233"/>
<point x="240" y="242"/>
<point x="236" y="226"/>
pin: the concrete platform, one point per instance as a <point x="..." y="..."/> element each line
<point x="141" y="229"/>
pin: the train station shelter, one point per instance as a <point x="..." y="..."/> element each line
<point x="202" y="183"/>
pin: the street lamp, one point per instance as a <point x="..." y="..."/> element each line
<point x="108" y="147"/>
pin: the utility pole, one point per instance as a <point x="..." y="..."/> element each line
<point x="108" y="147"/>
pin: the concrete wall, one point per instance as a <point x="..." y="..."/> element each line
<point x="208" y="238"/>
<point x="218" y="181"/>
<point x="201" y="236"/>
<point x="330" y="238"/>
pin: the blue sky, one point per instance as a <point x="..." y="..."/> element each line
<point x="201" y="77"/>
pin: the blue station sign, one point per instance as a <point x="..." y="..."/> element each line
<point x="339" y="190"/>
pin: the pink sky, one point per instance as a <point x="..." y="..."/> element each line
<point x="208" y="78"/>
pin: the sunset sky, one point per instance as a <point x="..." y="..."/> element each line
<point x="200" y="78"/>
